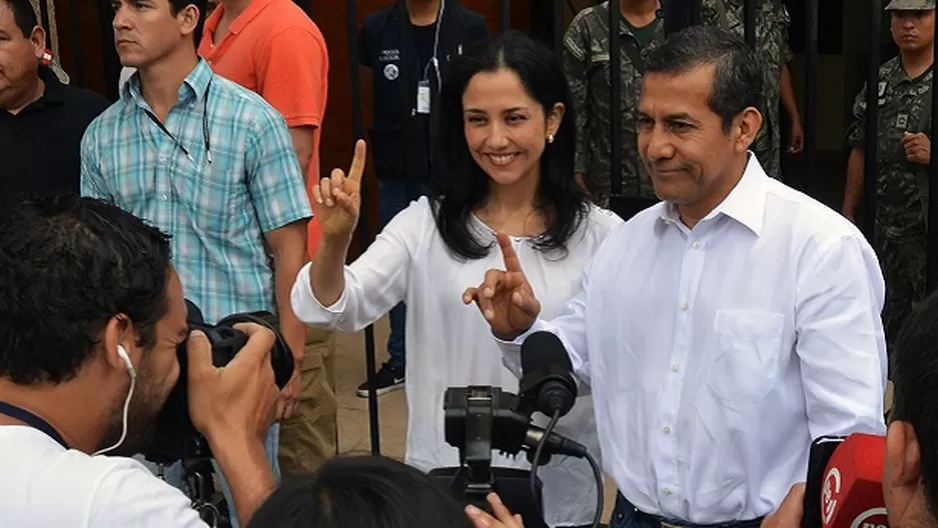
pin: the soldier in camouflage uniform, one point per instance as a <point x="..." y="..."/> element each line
<point x="586" y="62"/>
<point x="902" y="157"/>
<point x="772" y="23"/>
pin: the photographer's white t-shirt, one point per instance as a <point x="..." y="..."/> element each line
<point x="44" y="485"/>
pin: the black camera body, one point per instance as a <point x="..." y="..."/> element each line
<point x="479" y="420"/>
<point x="176" y="438"/>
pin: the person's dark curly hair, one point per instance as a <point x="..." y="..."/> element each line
<point x="915" y="382"/>
<point x="357" y="491"/>
<point x="67" y="266"/>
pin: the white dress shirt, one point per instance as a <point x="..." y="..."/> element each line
<point x="448" y="343"/>
<point x="716" y="354"/>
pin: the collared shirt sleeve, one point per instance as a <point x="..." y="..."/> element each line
<point x="155" y="504"/>
<point x="92" y="181"/>
<point x="840" y="341"/>
<point x="785" y="21"/>
<point x="856" y="134"/>
<point x="274" y="181"/>
<point x="374" y="283"/>
<point x="294" y="82"/>
<point x="575" y="46"/>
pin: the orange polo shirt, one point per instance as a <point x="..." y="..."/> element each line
<point x="274" y="49"/>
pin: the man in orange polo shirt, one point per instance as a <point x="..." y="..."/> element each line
<point x="274" y="49"/>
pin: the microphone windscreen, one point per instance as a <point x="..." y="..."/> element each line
<point x="541" y="349"/>
<point x="852" y="493"/>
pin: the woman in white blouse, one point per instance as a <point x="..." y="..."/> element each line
<point x="507" y="133"/>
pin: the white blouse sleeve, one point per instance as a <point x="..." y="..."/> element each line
<point x="374" y="283"/>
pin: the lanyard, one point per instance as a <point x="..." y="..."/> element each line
<point x="30" y="419"/>
<point x="205" y="137"/>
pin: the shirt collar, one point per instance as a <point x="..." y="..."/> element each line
<point x="193" y="86"/>
<point x="745" y="203"/>
<point x="54" y="88"/>
<point x="52" y="94"/>
<point x="254" y="9"/>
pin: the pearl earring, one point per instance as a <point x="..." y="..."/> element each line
<point x="550" y="138"/>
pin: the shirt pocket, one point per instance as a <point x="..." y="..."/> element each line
<point x="745" y="363"/>
<point x="215" y="197"/>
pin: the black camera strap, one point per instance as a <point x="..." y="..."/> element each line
<point x="30" y="419"/>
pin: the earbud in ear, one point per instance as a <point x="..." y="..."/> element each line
<point x="122" y="352"/>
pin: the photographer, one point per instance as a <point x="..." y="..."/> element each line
<point x="92" y="314"/>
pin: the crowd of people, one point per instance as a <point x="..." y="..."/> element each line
<point x="720" y="310"/>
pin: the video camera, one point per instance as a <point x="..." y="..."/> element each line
<point x="176" y="438"/>
<point x="481" y="419"/>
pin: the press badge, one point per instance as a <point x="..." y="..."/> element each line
<point x="423" y="97"/>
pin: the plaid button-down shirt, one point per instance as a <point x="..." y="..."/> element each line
<point x="216" y="206"/>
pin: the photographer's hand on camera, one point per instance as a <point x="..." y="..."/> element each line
<point x="234" y="407"/>
<point x="505" y="297"/>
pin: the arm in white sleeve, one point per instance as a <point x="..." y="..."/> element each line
<point x="841" y="343"/>
<point x="374" y="283"/>
<point x="569" y="326"/>
<point x="130" y="495"/>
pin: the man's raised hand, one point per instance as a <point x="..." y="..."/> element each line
<point x="505" y="298"/>
<point x="338" y="197"/>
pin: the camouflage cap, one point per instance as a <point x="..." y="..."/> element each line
<point x="910" y="5"/>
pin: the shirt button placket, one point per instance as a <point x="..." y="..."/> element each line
<point x="670" y="408"/>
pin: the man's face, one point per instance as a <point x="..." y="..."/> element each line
<point x="157" y="373"/>
<point x="147" y="31"/>
<point x="913" y="30"/>
<point x="19" y="56"/>
<point x="681" y="140"/>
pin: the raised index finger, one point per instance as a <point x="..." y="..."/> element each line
<point x="358" y="162"/>
<point x="508" y="252"/>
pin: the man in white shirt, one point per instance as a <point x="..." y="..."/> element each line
<point x="93" y="314"/>
<point x="722" y="329"/>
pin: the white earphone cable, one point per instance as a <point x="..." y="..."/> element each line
<point x="130" y="393"/>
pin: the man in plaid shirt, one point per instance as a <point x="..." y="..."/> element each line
<point x="210" y="163"/>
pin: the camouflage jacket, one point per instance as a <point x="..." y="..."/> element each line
<point x="901" y="186"/>
<point x="772" y="21"/>
<point x="586" y="59"/>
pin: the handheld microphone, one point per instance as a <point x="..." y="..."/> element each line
<point x="852" y="493"/>
<point x="547" y="384"/>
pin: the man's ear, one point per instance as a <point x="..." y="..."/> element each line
<point x="903" y="455"/>
<point x="745" y="129"/>
<point x="189" y="20"/>
<point x="117" y="331"/>
<point x="38" y="39"/>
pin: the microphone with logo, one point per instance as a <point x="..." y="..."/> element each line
<point x="851" y="492"/>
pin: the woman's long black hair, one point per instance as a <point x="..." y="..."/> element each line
<point x="461" y="186"/>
